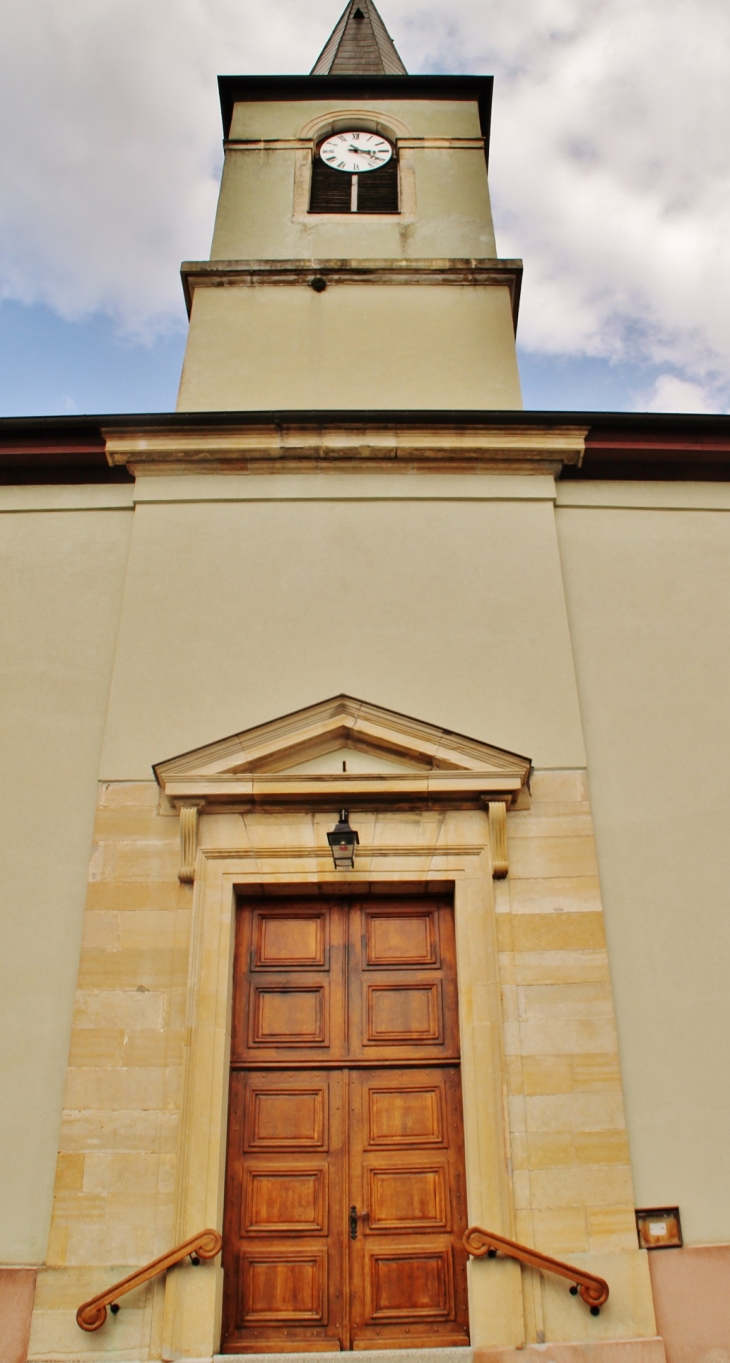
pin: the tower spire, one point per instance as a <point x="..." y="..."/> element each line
<point x="360" y="45"/>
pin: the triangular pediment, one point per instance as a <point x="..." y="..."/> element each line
<point x="347" y="747"/>
<point x="353" y="761"/>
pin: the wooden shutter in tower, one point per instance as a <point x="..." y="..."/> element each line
<point x="377" y="192"/>
<point x="331" y="192"/>
<point x="331" y="189"/>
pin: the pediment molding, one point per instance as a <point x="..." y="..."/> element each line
<point x="414" y="765"/>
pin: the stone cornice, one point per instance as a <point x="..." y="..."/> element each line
<point x="248" y="274"/>
<point x="382" y="444"/>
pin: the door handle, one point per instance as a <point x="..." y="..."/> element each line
<point x="356" y="1216"/>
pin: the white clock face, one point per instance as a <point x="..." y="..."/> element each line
<point x="355" y="152"/>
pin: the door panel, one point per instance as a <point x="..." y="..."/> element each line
<point x="287" y="1015"/>
<point x="411" y="1013"/>
<point x="345" y="1097"/>
<point x="410" y="1286"/>
<point x="281" y="1119"/>
<point x="279" y="1200"/>
<point x="289" y="994"/>
<point x="289" y="941"/>
<point x="408" y="938"/>
<point x="408" y="1265"/>
<point x="402" y="1198"/>
<point x="284" y="1236"/>
<point x="402" y="981"/>
<point x="399" y="1117"/>
<point x="284" y="1286"/>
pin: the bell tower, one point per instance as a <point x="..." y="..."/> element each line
<point x="353" y="264"/>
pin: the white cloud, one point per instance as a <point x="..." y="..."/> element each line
<point x="111" y="143"/>
<point x="610" y="173"/>
<point x="672" y="394"/>
<point x="609" y="155"/>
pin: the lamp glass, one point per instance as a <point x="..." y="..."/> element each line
<point x="343" y="841"/>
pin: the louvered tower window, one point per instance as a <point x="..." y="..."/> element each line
<point x="334" y="191"/>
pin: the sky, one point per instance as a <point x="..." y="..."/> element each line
<point x="609" y="174"/>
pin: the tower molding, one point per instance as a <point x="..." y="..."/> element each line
<point x="197" y="274"/>
<point x="370" y="120"/>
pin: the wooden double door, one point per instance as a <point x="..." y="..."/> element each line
<point x="345" y="1197"/>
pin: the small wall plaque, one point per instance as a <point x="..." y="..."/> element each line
<point x="659" y="1228"/>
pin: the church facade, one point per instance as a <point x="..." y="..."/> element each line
<point x="365" y="802"/>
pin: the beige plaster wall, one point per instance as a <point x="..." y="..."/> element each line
<point x="363" y="345"/>
<point x="649" y="607"/>
<point x="61" y="576"/>
<point x="255" y="218"/>
<point x="422" y="117"/>
<point x="251" y="597"/>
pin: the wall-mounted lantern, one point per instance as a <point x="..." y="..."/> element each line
<point x="343" y="840"/>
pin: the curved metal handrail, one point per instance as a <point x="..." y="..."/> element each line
<point x="205" y="1245"/>
<point x="593" y="1290"/>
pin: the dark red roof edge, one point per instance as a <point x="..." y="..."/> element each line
<point x="61" y="449"/>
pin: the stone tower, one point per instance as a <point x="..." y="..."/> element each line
<point x="371" y="286"/>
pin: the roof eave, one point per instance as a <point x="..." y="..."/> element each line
<point x="253" y="89"/>
<point x="643" y="446"/>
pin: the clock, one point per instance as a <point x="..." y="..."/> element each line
<point x="355" y="152"/>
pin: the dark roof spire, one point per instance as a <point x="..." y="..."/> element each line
<point x="359" y="46"/>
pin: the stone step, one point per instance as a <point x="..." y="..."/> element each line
<point x="452" y="1355"/>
